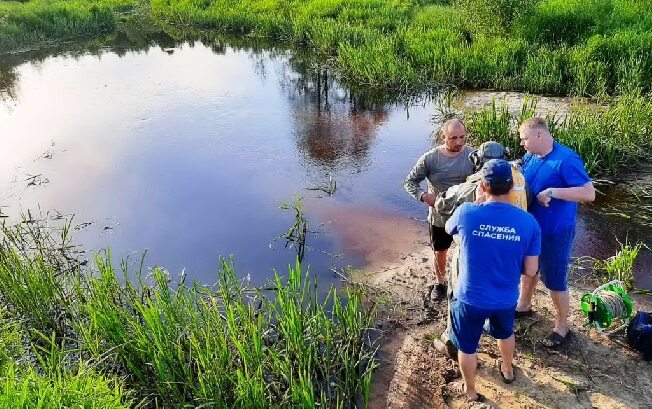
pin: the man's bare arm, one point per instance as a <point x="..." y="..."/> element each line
<point x="584" y="193"/>
<point x="530" y="266"/>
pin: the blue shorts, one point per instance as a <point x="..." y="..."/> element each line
<point x="554" y="259"/>
<point x="467" y="322"/>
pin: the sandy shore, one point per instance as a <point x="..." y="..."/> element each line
<point x="592" y="371"/>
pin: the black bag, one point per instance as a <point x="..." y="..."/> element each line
<point x="639" y="334"/>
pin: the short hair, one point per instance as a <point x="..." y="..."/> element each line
<point x="535" y="123"/>
<point x="447" y="124"/>
<point x="498" y="189"/>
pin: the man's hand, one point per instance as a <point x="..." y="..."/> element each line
<point x="429" y="199"/>
<point x="543" y="198"/>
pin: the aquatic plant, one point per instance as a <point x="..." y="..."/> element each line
<point x="621" y="265"/>
<point x="296" y="236"/>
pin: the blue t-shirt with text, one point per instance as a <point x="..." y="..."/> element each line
<point x="495" y="238"/>
<point x="562" y="167"/>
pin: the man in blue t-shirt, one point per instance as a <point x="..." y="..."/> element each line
<point x="557" y="179"/>
<point x="498" y="243"/>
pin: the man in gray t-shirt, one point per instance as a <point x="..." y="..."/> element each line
<point x="443" y="166"/>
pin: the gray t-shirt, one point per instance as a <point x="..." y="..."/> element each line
<point x="441" y="172"/>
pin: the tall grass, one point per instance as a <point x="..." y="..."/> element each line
<point x="583" y="47"/>
<point x="411" y="44"/>
<point x="38" y="373"/>
<point x="608" y="139"/>
<point x="35" y="266"/>
<point x="38" y="22"/>
<point x="620" y="266"/>
<point x="174" y="344"/>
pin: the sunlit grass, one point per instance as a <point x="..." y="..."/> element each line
<point x="621" y="265"/>
<point x="176" y="344"/>
<point x="39" y="22"/>
<point x="584" y="47"/>
<point x="608" y="139"/>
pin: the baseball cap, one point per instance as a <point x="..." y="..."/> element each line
<point x="491" y="150"/>
<point x="488" y="150"/>
<point x="497" y="173"/>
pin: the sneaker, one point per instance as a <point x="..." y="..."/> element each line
<point x="446" y="347"/>
<point x="438" y="292"/>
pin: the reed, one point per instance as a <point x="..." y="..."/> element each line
<point x="297" y="235"/>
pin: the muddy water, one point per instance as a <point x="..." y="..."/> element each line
<point x="187" y="150"/>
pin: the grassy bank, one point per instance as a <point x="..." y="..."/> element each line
<point x="400" y="44"/>
<point x="580" y="47"/>
<point x="25" y="25"/>
<point x="609" y="138"/>
<point x="123" y="339"/>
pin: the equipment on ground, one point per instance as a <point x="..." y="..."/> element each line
<point x="639" y="334"/>
<point x="608" y="307"/>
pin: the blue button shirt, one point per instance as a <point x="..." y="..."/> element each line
<point x="561" y="168"/>
<point x="495" y="238"/>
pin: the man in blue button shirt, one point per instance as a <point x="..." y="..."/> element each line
<point x="557" y="179"/>
<point x="498" y="243"/>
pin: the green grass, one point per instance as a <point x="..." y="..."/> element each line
<point x="580" y="47"/>
<point x="37" y="373"/>
<point x="621" y="265"/>
<point x="609" y="139"/>
<point x="119" y="337"/>
<point x="410" y="44"/>
<point x="35" y="23"/>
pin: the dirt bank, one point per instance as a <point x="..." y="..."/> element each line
<point x="592" y="371"/>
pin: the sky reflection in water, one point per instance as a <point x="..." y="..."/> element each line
<point x="188" y="153"/>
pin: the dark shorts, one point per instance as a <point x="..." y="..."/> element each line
<point x="439" y="239"/>
<point x="554" y="259"/>
<point x="467" y="322"/>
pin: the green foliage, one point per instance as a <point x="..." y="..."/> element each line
<point x="608" y="139"/>
<point x="11" y="342"/>
<point x="494" y="17"/>
<point x="620" y="266"/>
<point x="33" y="275"/>
<point x="46" y="378"/>
<point x="563" y="21"/>
<point x="227" y="346"/>
<point x="84" y="388"/>
<point x="230" y="347"/>
<point x="592" y="48"/>
<point x="493" y="123"/>
<point x="41" y="22"/>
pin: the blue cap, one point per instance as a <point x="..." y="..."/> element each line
<point x="497" y="173"/>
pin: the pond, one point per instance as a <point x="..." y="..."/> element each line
<point x="188" y="150"/>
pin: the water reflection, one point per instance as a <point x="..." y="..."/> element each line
<point x="188" y="149"/>
<point x="8" y="84"/>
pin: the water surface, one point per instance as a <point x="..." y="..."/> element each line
<point x="188" y="150"/>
